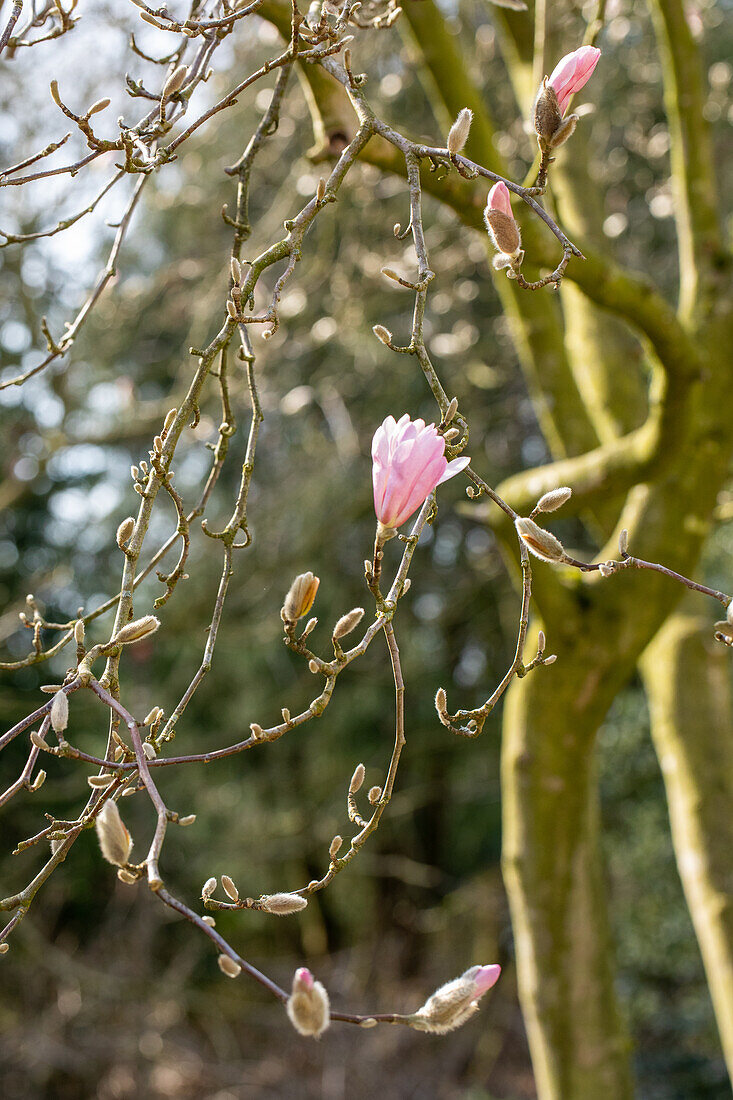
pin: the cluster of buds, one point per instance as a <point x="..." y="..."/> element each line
<point x="308" y="1005"/>
<point x="456" y="1001"/>
<point x="234" y="302"/>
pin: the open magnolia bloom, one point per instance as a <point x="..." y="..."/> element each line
<point x="408" y="462"/>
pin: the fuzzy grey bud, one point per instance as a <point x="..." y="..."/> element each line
<point x="59" y="712"/>
<point x="170" y="416"/>
<point x="459" y="131"/>
<point x="187" y="820"/>
<point x="550" y="502"/>
<point x="357" y="779"/>
<point x="623" y="543"/>
<point x="100" y="781"/>
<point x="136" y="630"/>
<point x="504" y="231"/>
<point x="382" y="334"/>
<point x="451" y="411"/>
<point x="174" y="81"/>
<point x="282" y="904"/>
<point x="335" y="846"/>
<point x="208" y="888"/>
<point x="441" y="701"/>
<point x="547" y="114"/>
<point x="114" y="839"/>
<point x="543" y="544"/>
<point x="348" y="622"/>
<point x="375" y="793"/>
<point x="230" y="889"/>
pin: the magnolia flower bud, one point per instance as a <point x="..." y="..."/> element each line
<point x="375" y="793"/>
<point x="229" y="888"/>
<point x="456" y="1001"/>
<point x="441" y="701"/>
<point x="4" y="948"/>
<point x="308" y="1005"/>
<point x="547" y="114"/>
<point x="451" y="411"/>
<point x="100" y="782"/>
<point x="174" y="81"/>
<point x="357" y="779"/>
<point x="550" y="502"/>
<point x="300" y="597"/>
<point x="382" y="334"/>
<point x="59" y="712"/>
<point x="136" y="630"/>
<point x="282" y="904"/>
<point x="543" y="544"/>
<point x="100" y="105"/>
<point x="209" y="920"/>
<point x="504" y="231"/>
<point x="335" y="846"/>
<point x="729" y="613"/>
<point x="623" y="543"/>
<point x="348" y="622"/>
<point x="458" y="135"/>
<point x="229" y="967"/>
<point x="38" y="781"/>
<point x="208" y="888"/>
<point x="114" y="838"/>
<point x="148" y="750"/>
<point x="187" y="820"/>
<point x="170" y="416"/>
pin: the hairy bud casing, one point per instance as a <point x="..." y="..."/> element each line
<point x="308" y="1005"/>
<point x="114" y="838"/>
<point x="282" y="904"/>
<point x="459" y="131"/>
<point x="542" y="543"/>
<point x="300" y="597"/>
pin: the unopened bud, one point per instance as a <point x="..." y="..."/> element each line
<point x="100" y="105"/>
<point x="300" y="597"/>
<point x="390" y="273"/>
<point x="148" y="750"/>
<point x="286" y="714"/>
<point x="79" y="631"/>
<point x="100" y="781"/>
<point x="187" y="820"/>
<point x="729" y="613"/>
<point x="282" y="904"/>
<point x="158" y="444"/>
<point x="4" y="948"/>
<point x="170" y="416"/>
<point x="335" y="846"/>
<point x="623" y="544"/>
<point x="38" y="781"/>
<point x="451" y="434"/>
<point x="374" y="795"/>
<point x="54" y="85"/>
<point x="308" y="1006"/>
<point x="458" y="134"/>
<point x="310" y="625"/>
<point x="543" y="544"/>
<point x="321" y="190"/>
<point x="456" y="1001"/>
<point x="152" y="716"/>
<point x="441" y="701"/>
<point x="37" y="740"/>
<point x="209" y="920"/>
<point x="382" y="334"/>
<point x="550" y="502"/>
<point x="114" y="839"/>
<point x="406" y="586"/>
<point x="59" y="712"/>
<point x="208" y="888"/>
<point x="174" y="81"/>
<point x="313" y="666"/>
<point x="541" y="641"/>
<point x="135" y="472"/>
<point x="504" y="231"/>
<point x="232" y="310"/>
<point x="451" y="411"/>
<point x="229" y="967"/>
<point x="236" y="270"/>
<point x="257" y="730"/>
<point x="551" y="659"/>
<point x="348" y="622"/>
<point x="547" y="113"/>
<point x="230" y="889"/>
<point x="357" y="779"/>
<point x="136" y="630"/>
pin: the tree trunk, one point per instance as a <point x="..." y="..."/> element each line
<point x="687" y="680"/>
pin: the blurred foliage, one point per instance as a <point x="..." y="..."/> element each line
<point x="105" y="994"/>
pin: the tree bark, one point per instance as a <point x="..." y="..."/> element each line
<point x="687" y="680"/>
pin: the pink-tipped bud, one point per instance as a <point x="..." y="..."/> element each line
<point x="572" y="73"/>
<point x="308" y="1005"/>
<point x="500" y="222"/>
<point x="456" y="1001"/>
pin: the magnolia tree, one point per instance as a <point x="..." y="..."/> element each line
<point x="635" y="481"/>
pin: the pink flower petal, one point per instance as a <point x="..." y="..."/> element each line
<point x="572" y="73"/>
<point x="499" y="199"/>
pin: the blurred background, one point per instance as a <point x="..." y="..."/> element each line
<point x="105" y="993"/>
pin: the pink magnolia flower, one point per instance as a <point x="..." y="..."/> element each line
<point x="303" y="978"/>
<point x="572" y="73"/>
<point x="408" y="462"/>
<point x="499" y="199"/>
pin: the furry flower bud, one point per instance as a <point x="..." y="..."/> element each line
<point x="543" y="544"/>
<point x="550" y="502"/>
<point x="458" y="135"/>
<point x="300" y="597"/>
<point x="59" y="712"/>
<point x="348" y="622"/>
<point x="114" y="838"/>
<point x="136" y="630"/>
<point x="357" y="779"/>
<point x="282" y="904"/>
<point x="456" y="1001"/>
<point x="308" y="1005"/>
